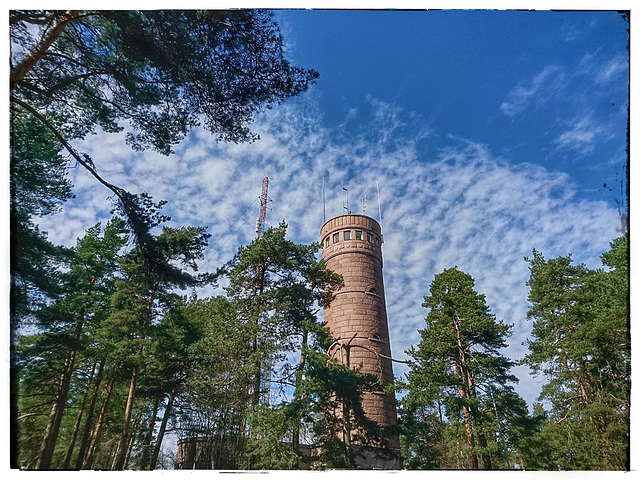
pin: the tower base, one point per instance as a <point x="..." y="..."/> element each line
<point x="372" y="458"/>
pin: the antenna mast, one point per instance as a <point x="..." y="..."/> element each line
<point x="324" y="208"/>
<point x="346" y="205"/>
<point x="379" y="207"/>
<point x="262" y="216"/>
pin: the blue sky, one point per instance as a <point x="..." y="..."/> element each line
<point x="542" y="87"/>
<point x="489" y="133"/>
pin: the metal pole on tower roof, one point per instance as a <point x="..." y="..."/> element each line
<point x="379" y="210"/>
<point x="345" y="206"/>
<point x="324" y="207"/>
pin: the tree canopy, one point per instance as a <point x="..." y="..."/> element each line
<point x="161" y="71"/>
<point x="458" y="367"/>
<point x="580" y="346"/>
<point x="156" y="74"/>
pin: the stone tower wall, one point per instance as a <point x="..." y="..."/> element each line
<point x="357" y="317"/>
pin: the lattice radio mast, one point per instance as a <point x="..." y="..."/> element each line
<point x="265" y="374"/>
<point x="262" y="216"/>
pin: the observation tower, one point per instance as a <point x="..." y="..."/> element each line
<point x="357" y="321"/>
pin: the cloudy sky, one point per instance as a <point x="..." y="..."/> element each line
<point x="489" y="133"/>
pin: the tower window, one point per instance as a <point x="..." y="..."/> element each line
<point x="358" y="235"/>
<point x="377" y="241"/>
<point x="369" y="238"/>
<point x="347" y="234"/>
<point x="336" y="237"/>
<point x="375" y="336"/>
<point x="327" y="242"/>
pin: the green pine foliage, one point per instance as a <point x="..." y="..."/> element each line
<point x="580" y="345"/>
<point x="76" y="72"/>
<point x="108" y="354"/>
<point x="64" y="342"/>
<point x="458" y="387"/>
<point x="460" y="383"/>
<point x="38" y="187"/>
<point x="118" y="358"/>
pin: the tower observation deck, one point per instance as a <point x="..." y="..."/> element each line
<point x="357" y="318"/>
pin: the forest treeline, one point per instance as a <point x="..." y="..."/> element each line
<point x="460" y="408"/>
<point x="118" y="358"/>
<point x="116" y="353"/>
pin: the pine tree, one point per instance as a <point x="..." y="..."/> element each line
<point x="66" y="327"/>
<point x="38" y="187"/>
<point x="75" y="71"/>
<point x="276" y="286"/>
<point x="213" y="404"/>
<point x="458" y="366"/>
<point x="142" y="299"/>
<point x="580" y="345"/>
<point x="260" y="378"/>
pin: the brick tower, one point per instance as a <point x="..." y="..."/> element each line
<point x="357" y="318"/>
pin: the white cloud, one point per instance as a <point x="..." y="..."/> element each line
<point x="462" y="206"/>
<point x="602" y="70"/>
<point x="615" y="66"/>
<point x="536" y="91"/>
<point x="594" y="79"/>
<point x="581" y="135"/>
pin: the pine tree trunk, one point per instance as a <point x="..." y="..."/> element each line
<point x="126" y="428"/>
<point x="55" y="417"/>
<point x="146" y="447"/>
<point x="132" y="437"/>
<point x="86" y="434"/>
<point x="163" y="428"/>
<point x="46" y="448"/>
<point x="486" y="457"/>
<point x="258" y="378"/>
<point x="461" y="373"/>
<point x="470" y="438"/>
<point x="88" y="462"/>
<point x="299" y="372"/>
<point x="523" y="466"/>
<point x="35" y="55"/>
<point x="482" y="440"/>
<point x="57" y="410"/>
<point x="76" y="427"/>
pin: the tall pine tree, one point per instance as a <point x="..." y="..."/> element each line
<point x="580" y="345"/>
<point x="457" y="369"/>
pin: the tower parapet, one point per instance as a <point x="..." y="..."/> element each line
<point x="357" y="317"/>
